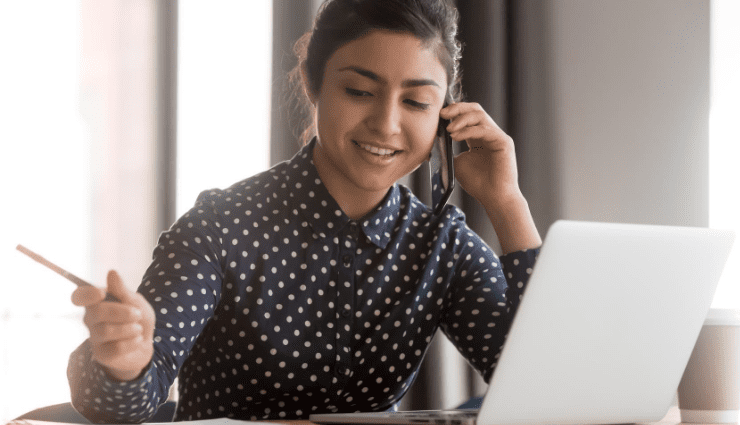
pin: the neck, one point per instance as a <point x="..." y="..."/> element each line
<point x="354" y="201"/>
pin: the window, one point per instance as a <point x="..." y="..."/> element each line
<point x="77" y="129"/>
<point x="64" y="102"/>
<point x="724" y="142"/>
<point x="223" y="111"/>
<point x="47" y="197"/>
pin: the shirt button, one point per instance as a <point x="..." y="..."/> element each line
<point x="346" y="312"/>
<point x="347" y="260"/>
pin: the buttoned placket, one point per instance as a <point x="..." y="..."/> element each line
<point x="345" y="307"/>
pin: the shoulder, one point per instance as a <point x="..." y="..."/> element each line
<point x="448" y="229"/>
<point x="253" y="191"/>
<point x="218" y="215"/>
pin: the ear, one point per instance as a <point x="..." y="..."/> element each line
<point x="304" y="79"/>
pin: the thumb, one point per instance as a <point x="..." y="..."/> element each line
<point x="117" y="289"/>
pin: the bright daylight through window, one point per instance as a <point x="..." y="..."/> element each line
<point x="45" y="175"/>
<point x="223" y="107"/>
<point x="724" y="140"/>
<point x="45" y="110"/>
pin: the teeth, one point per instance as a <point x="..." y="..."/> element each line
<point x="376" y="150"/>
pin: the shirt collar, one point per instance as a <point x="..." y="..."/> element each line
<point x="312" y="200"/>
<point x="379" y="223"/>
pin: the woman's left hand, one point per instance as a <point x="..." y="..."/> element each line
<point x="487" y="171"/>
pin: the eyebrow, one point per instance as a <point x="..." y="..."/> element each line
<point x="414" y="82"/>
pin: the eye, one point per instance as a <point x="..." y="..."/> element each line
<point x="418" y="105"/>
<point x="357" y="93"/>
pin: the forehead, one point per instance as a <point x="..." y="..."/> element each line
<point x="393" y="56"/>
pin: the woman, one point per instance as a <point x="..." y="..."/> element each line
<point x="318" y="285"/>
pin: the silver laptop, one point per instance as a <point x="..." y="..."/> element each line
<point x="604" y="330"/>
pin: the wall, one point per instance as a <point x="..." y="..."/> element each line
<point x="615" y="101"/>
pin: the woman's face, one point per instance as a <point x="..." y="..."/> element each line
<point x="378" y="111"/>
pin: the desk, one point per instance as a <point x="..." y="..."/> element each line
<point x="673" y="417"/>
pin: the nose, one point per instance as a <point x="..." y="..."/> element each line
<point x="385" y="118"/>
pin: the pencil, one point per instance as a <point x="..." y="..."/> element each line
<point x="69" y="276"/>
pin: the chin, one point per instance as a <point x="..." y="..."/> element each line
<point x="373" y="185"/>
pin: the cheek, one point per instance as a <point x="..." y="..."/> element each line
<point x="336" y="115"/>
<point x="426" y="134"/>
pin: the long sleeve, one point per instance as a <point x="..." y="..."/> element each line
<point x="483" y="300"/>
<point x="183" y="285"/>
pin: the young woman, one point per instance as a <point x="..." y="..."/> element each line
<point x="318" y="285"/>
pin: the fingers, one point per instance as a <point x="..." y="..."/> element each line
<point x="463" y="115"/>
<point x="461" y="108"/>
<point x="109" y="312"/>
<point x="470" y="122"/>
<point x="106" y="332"/>
<point x="469" y="118"/>
<point x="484" y="137"/>
<point x="87" y="295"/>
<point x="116" y="313"/>
<point x="119" y="290"/>
<point x="126" y="296"/>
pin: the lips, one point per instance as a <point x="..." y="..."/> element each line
<point x="376" y="150"/>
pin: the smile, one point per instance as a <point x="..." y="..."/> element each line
<point x="375" y="150"/>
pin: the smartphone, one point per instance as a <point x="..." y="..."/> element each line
<point x="441" y="168"/>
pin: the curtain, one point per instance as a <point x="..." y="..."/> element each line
<point x="290" y="20"/>
<point x="166" y="104"/>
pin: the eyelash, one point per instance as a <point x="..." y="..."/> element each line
<point x="413" y="103"/>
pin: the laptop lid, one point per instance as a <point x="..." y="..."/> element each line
<point x="607" y="324"/>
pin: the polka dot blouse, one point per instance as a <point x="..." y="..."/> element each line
<point x="271" y="303"/>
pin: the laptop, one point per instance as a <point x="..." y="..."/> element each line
<point x="604" y="330"/>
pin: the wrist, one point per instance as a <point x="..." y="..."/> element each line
<point x="123" y="375"/>
<point x="126" y="376"/>
<point x="504" y="201"/>
<point x="511" y="219"/>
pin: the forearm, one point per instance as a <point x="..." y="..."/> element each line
<point x="513" y="223"/>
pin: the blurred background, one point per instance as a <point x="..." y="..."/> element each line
<point x="115" y="114"/>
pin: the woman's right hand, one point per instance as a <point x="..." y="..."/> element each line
<point x="121" y="333"/>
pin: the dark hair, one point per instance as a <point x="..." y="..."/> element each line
<point x="338" y="22"/>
